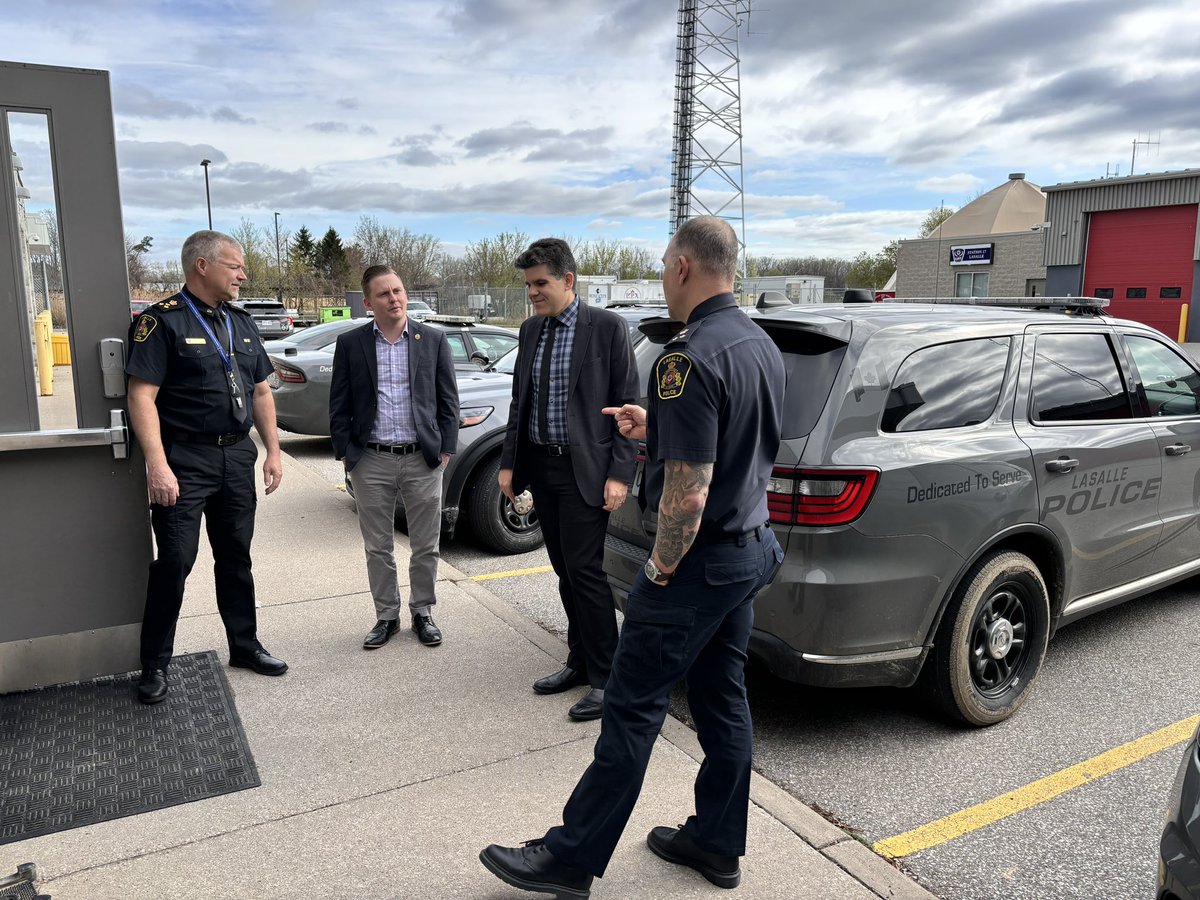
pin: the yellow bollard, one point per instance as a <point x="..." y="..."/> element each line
<point x="1183" y="319"/>
<point x="45" y="354"/>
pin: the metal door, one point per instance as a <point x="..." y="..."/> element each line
<point x="74" y="523"/>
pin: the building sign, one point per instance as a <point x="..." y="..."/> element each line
<point x="971" y="255"/>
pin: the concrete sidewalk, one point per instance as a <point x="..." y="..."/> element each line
<point x="384" y="773"/>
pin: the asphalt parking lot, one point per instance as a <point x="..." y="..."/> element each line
<point x="879" y="764"/>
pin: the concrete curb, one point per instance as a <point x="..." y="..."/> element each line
<point x="856" y="859"/>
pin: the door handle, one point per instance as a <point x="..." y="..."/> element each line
<point x="1061" y="465"/>
<point x="1177" y="449"/>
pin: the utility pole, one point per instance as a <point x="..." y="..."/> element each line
<point x="278" y="264"/>
<point x="207" y="199"/>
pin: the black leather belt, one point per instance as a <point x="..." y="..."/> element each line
<point x="721" y="537"/>
<point x="199" y="437"/>
<point x="398" y="449"/>
<point x="553" y="449"/>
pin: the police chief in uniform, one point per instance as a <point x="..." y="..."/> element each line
<point x="197" y="385"/>
<point x="712" y="431"/>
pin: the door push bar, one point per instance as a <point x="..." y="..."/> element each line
<point x="116" y="434"/>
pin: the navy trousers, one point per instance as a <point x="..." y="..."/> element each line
<point x="696" y="627"/>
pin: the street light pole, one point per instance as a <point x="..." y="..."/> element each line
<point x="278" y="263"/>
<point x="207" y="198"/>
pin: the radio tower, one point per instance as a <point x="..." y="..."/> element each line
<point x="706" y="166"/>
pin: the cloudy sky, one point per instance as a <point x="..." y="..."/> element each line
<point x="467" y="118"/>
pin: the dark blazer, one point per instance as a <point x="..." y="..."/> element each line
<point x="354" y="392"/>
<point x="603" y="373"/>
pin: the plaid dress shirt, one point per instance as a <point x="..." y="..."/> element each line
<point x="394" y="422"/>
<point x="560" y="373"/>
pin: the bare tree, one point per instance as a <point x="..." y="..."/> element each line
<point x="489" y="261"/>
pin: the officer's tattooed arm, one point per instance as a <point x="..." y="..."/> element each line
<point x="685" y="492"/>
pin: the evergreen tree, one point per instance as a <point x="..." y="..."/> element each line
<point x="303" y="248"/>
<point x="331" y="262"/>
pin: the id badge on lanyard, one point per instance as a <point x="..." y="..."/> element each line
<point x="235" y="390"/>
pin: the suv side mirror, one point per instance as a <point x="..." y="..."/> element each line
<point x="480" y="359"/>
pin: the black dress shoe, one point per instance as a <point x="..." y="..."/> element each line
<point x="533" y="868"/>
<point x="427" y="633"/>
<point x="562" y="680"/>
<point x="379" y="635"/>
<point x="153" y="686"/>
<point x="676" y="846"/>
<point x="260" y="661"/>
<point x="590" y="707"/>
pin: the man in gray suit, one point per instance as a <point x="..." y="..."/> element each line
<point x="573" y="361"/>
<point x="393" y="417"/>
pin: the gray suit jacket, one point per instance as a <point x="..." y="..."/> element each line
<point x="603" y="373"/>
<point x="354" y="392"/>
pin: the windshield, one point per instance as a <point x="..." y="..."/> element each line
<point x="507" y="364"/>
<point x="319" y="336"/>
<point x="419" y="306"/>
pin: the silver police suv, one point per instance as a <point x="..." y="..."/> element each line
<point x="957" y="480"/>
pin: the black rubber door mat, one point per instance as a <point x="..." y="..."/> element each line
<point x="78" y="754"/>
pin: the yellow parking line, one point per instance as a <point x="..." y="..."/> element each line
<point x="982" y="814"/>
<point x="536" y="570"/>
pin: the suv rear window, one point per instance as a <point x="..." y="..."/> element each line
<point x="811" y="361"/>
<point x="947" y="386"/>
<point x="1076" y="379"/>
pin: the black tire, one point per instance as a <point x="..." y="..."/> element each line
<point x="493" y="518"/>
<point x="992" y="641"/>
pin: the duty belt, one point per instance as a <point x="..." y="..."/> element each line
<point x="199" y="437"/>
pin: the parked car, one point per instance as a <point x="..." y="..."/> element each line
<point x="1178" y="853"/>
<point x="470" y="490"/>
<point x="955" y="483"/>
<point x="137" y="307"/>
<point x="313" y="338"/>
<point x="300" y="382"/>
<point x="419" y="310"/>
<point x="269" y="315"/>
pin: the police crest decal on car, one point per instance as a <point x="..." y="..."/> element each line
<point x="672" y="373"/>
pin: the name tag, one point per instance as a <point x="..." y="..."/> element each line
<point x="195" y="341"/>
<point x="245" y="340"/>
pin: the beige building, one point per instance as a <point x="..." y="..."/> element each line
<point x="992" y="247"/>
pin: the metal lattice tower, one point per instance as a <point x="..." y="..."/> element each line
<point x="706" y="168"/>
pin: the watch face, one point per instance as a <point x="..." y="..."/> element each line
<point x="651" y="570"/>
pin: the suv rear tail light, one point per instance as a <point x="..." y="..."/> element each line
<point x="290" y="375"/>
<point x="819" y="496"/>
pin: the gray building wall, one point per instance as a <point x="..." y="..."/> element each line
<point x="1067" y="206"/>
<point x="923" y="266"/>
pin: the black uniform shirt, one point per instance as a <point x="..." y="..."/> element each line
<point x="716" y="395"/>
<point x="169" y="348"/>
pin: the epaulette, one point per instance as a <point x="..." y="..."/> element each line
<point x="685" y="334"/>
<point x="237" y="309"/>
<point x="168" y="304"/>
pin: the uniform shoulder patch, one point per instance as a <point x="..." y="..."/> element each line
<point x="671" y="373"/>
<point x="146" y="324"/>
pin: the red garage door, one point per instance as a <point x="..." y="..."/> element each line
<point x="1143" y="260"/>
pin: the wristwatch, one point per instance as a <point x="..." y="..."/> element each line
<point x="654" y="573"/>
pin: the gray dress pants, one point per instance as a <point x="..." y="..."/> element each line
<point x="378" y="479"/>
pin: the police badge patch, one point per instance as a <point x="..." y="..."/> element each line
<point x="146" y="324"/>
<point x="672" y="373"/>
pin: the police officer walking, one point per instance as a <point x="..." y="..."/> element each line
<point x="197" y="385"/>
<point x="712" y="431"/>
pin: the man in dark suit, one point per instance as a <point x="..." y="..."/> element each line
<point x="393" y="417"/>
<point x="573" y="360"/>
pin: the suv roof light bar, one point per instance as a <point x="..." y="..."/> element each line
<point x="1093" y="305"/>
